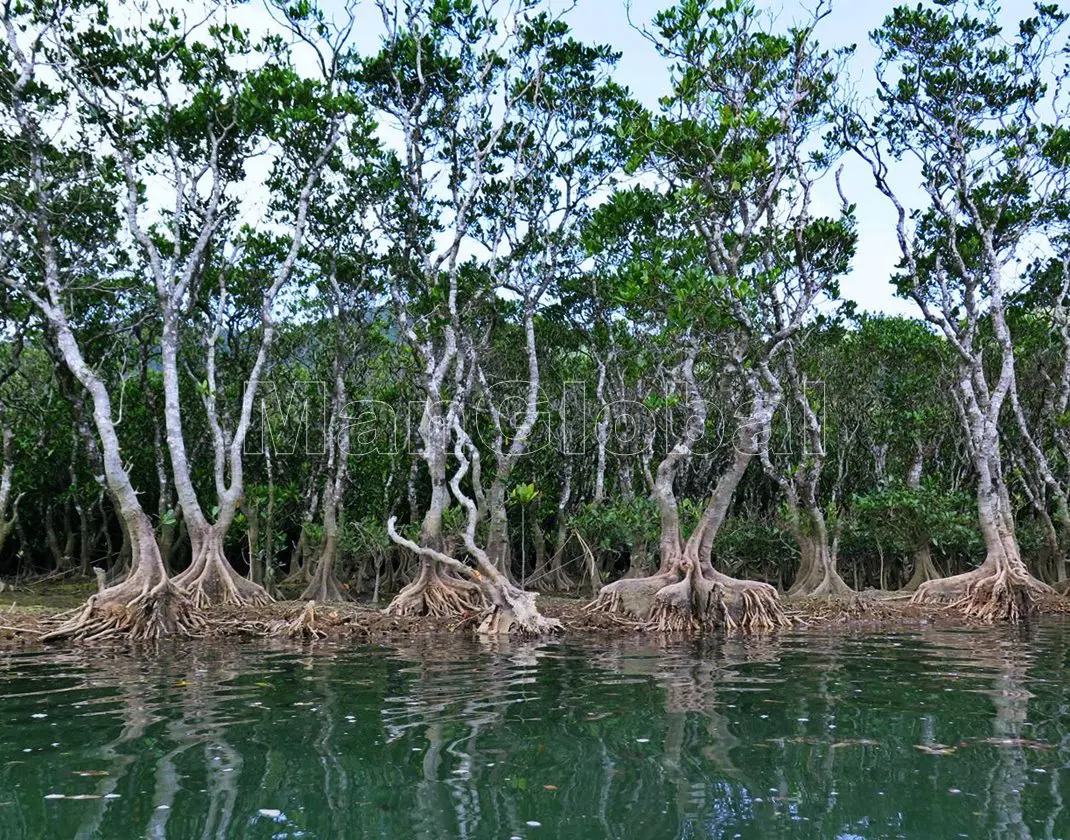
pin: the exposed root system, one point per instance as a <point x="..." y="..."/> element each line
<point x="304" y="625"/>
<point x="163" y="612"/>
<point x="689" y="598"/>
<point x="135" y="611"/>
<point x="985" y="594"/>
<point x="324" y="586"/>
<point x="683" y="606"/>
<point x="668" y="617"/>
<point x="212" y="581"/>
<point x="553" y="580"/>
<point x="818" y="576"/>
<point x="606" y="601"/>
<point x="632" y="596"/>
<point x="516" y="614"/>
<point x="749" y="606"/>
<point x="924" y="570"/>
<point x="439" y="595"/>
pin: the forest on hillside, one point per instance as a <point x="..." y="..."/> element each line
<point x="457" y="320"/>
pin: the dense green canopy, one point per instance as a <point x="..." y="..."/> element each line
<point x="464" y="317"/>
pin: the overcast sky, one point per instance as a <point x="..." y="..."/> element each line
<point x="850" y="22"/>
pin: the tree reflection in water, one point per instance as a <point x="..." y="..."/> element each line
<point x="930" y="733"/>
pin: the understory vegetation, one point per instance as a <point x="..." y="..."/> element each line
<point x="453" y="319"/>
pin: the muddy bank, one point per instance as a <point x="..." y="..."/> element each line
<point x="24" y="619"/>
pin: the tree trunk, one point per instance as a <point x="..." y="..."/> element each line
<point x="165" y="503"/>
<point x="601" y="434"/>
<point x="62" y="552"/>
<point x="70" y="536"/>
<point x="52" y="540"/>
<point x="6" y="527"/>
<point x="252" y="539"/>
<point x="297" y="568"/>
<point x="105" y="530"/>
<point x="168" y="540"/>
<point x="540" y="575"/>
<point x="498" y="533"/>
<point x="120" y="566"/>
<point x="145" y="605"/>
<point x="85" y="541"/>
<point x="818" y="574"/>
<point x="1001" y="588"/>
<point x="559" y="578"/>
<point x="924" y="569"/>
<point x="181" y="551"/>
<point x="435" y="591"/>
<point x="7" y="451"/>
<point x="1062" y="530"/>
<point x="210" y="579"/>
<point x="687" y="593"/>
<point x="324" y="586"/>
<point x="268" y="579"/>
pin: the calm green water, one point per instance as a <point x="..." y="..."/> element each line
<point x="926" y="734"/>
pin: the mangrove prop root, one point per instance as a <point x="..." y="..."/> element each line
<point x="554" y="580"/>
<point x="218" y="584"/>
<point x="304" y="625"/>
<point x="749" y="606"/>
<point x="681" y="607"/>
<point x="695" y="603"/>
<point x="668" y="617"/>
<point x="326" y="589"/>
<point x="439" y="597"/>
<point x="607" y="600"/>
<point x="632" y="596"/>
<point x="138" y="613"/>
<point x="990" y="596"/>
<point x="518" y="620"/>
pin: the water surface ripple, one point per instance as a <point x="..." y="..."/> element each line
<point x="930" y="733"/>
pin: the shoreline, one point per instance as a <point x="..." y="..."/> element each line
<point x="22" y="625"/>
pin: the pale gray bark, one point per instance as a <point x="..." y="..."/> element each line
<point x="559" y="578"/>
<point x="962" y="295"/>
<point x="148" y="573"/>
<point x="196" y="226"/>
<point x="758" y="233"/>
<point x="324" y="586"/>
<point x="924" y="568"/>
<point x="440" y="353"/>
<point x="601" y="434"/>
<point x="210" y="576"/>
<point x="9" y="503"/>
<point x="748" y="440"/>
<point x="506" y="457"/>
<point x="818" y="573"/>
<point x="167" y="516"/>
<point x="687" y="592"/>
